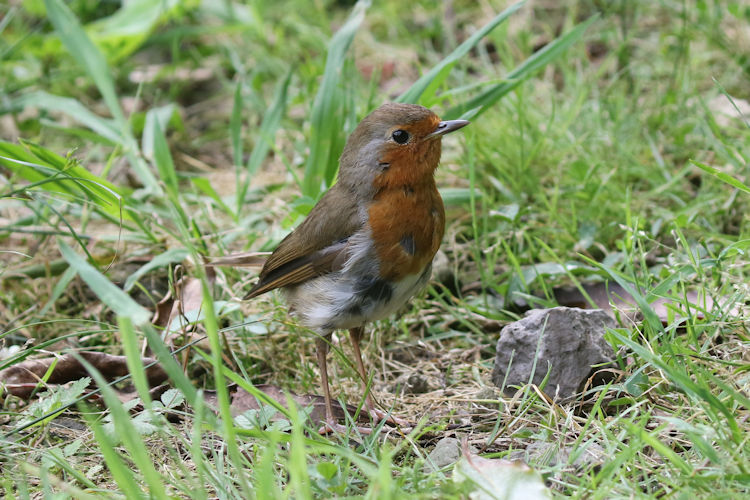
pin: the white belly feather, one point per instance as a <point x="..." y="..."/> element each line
<point x="355" y="295"/>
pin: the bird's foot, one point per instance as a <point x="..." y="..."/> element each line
<point x="381" y="416"/>
<point x="333" y="427"/>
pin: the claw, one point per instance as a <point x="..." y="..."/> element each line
<point x="381" y="416"/>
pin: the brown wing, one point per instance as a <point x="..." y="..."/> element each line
<point x="313" y="248"/>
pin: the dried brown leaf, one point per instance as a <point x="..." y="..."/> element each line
<point x="21" y="379"/>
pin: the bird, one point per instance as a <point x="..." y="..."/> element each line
<point x="367" y="245"/>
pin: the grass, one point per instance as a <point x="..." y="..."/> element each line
<point x="604" y="146"/>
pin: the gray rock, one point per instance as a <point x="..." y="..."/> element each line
<point x="572" y="340"/>
<point x="447" y="451"/>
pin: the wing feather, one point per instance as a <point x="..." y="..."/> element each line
<point x="315" y="247"/>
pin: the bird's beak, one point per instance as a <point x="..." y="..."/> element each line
<point x="446" y="127"/>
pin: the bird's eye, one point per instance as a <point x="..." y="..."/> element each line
<point x="401" y="136"/>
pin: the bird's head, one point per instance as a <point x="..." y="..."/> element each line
<point x="395" y="145"/>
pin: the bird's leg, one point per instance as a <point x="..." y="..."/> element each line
<point x="356" y="334"/>
<point x="331" y="424"/>
<point x="321" y="345"/>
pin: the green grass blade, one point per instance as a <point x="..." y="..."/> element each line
<point x="133" y="360"/>
<point x="255" y="392"/>
<point x="167" y="172"/>
<point x="196" y="451"/>
<point x="105" y="127"/>
<point x="81" y="47"/>
<point x="680" y="377"/>
<point x="299" y="477"/>
<point x="171" y="256"/>
<point x="665" y="451"/>
<point x="427" y="85"/>
<point x="111" y="295"/>
<point x="264" y="472"/>
<point x="553" y="50"/>
<point x="174" y="370"/>
<point x="327" y="120"/>
<point x="161" y="116"/>
<point x="63" y="175"/>
<point x="86" y="53"/>
<point x="205" y="187"/>
<point x="164" y="163"/>
<point x="225" y="412"/>
<point x="723" y="177"/>
<point x="266" y="133"/>
<point x="121" y="474"/>
<point x="71" y="231"/>
<point x="56" y="456"/>
<point x="60" y="287"/>
<point x="129" y="435"/>
<point x="648" y="312"/>
<point x="235" y="125"/>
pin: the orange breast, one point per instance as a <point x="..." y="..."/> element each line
<point x="407" y="225"/>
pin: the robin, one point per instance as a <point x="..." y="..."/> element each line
<point x="367" y="246"/>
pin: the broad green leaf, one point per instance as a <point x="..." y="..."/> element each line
<point x="172" y="398"/>
<point x="51" y="402"/>
<point x="120" y="34"/>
